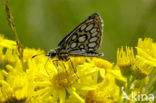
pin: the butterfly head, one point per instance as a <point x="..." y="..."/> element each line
<point x="51" y="54"/>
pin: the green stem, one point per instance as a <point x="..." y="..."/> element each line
<point x="13" y="28"/>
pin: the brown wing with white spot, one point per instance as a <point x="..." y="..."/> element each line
<point x="86" y="37"/>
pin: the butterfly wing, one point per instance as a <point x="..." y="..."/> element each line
<point x="86" y="37"/>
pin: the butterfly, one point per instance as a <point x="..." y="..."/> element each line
<point x="84" y="40"/>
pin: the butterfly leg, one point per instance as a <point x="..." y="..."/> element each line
<point x="56" y="64"/>
<point x="75" y="71"/>
<point x="72" y="65"/>
<point x="64" y="67"/>
<point x="45" y="66"/>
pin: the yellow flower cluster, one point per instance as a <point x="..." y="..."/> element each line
<point x="83" y="80"/>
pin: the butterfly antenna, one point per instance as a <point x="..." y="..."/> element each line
<point x="36" y="55"/>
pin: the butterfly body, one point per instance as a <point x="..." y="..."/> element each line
<point x="84" y="40"/>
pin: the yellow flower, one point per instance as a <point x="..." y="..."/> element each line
<point x="5" y="91"/>
<point x="29" y="53"/>
<point x="1" y="53"/>
<point x="101" y="63"/>
<point x="10" y="57"/>
<point x="125" y="59"/>
<point x="147" y="49"/>
<point x="78" y="60"/>
<point x="16" y="87"/>
<point x="15" y="83"/>
<point x="78" y="80"/>
<point x="107" y="92"/>
<point x="7" y="43"/>
<point x="7" y="57"/>
<point x="147" y="46"/>
<point x="19" y="83"/>
<point x="145" y="58"/>
<point x="120" y="80"/>
<point x="61" y="81"/>
<point x="141" y="68"/>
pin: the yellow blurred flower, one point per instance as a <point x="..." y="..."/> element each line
<point x="10" y="57"/>
<point x="145" y="58"/>
<point x="16" y="82"/>
<point x="141" y="68"/>
<point x="147" y="49"/>
<point x="21" y="84"/>
<point x="106" y="92"/>
<point x="5" y="91"/>
<point x="147" y="46"/>
<point x="7" y="43"/>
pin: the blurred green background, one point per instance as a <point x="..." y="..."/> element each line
<point x="43" y="23"/>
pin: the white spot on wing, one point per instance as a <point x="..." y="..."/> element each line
<point x="73" y="45"/>
<point x="93" y="39"/>
<point x="89" y="27"/>
<point x="92" y="44"/>
<point x="93" y="30"/>
<point x="83" y="27"/>
<point x="81" y="46"/>
<point x="83" y="50"/>
<point x="91" y="49"/>
<point x="82" y="38"/>
<point x="74" y="37"/>
<point x="94" y="34"/>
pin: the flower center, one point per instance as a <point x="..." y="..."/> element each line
<point x="63" y="79"/>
